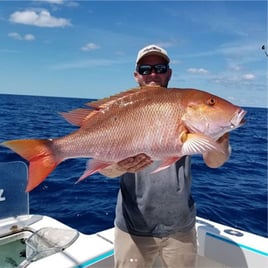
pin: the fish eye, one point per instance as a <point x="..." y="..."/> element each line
<point x="211" y="101"/>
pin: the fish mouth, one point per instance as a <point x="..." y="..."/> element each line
<point x="238" y="119"/>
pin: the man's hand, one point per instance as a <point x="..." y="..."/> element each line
<point x="215" y="159"/>
<point x="131" y="164"/>
<point x="135" y="163"/>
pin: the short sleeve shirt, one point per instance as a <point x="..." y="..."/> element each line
<point x="156" y="204"/>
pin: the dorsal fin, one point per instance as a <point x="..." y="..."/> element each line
<point x="122" y="98"/>
<point x="78" y="116"/>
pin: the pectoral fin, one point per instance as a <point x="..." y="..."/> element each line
<point x="197" y="143"/>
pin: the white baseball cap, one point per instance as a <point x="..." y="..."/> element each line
<point x="152" y="50"/>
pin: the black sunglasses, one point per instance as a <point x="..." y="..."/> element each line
<point x="147" y="69"/>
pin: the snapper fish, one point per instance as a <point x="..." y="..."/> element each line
<point x="162" y="123"/>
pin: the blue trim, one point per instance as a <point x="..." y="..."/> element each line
<point x="96" y="259"/>
<point x="237" y="244"/>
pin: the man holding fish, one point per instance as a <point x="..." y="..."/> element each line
<point x="155" y="212"/>
<point x="145" y="135"/>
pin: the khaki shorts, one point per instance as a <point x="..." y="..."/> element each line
<point x="177" y="250"/>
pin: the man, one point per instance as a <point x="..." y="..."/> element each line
<point x="155" y="213"/>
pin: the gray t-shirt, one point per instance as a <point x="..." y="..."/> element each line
<point x="157" y="204"/>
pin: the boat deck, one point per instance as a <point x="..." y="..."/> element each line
<point x="202" y="262"/>
<point x="43" y="241"/>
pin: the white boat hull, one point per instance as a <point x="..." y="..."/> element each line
<point x="218" y="245"/>
<point x="36" y="241"/>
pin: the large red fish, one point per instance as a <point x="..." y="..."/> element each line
<point x="163" y="123"/>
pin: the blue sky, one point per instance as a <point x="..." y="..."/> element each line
<point x="88" y="49"/>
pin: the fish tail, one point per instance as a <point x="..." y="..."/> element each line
<point x="39" y="153"/>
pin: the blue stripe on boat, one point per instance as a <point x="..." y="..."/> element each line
<point x="96" y="259"/>
<point x="237" y="244"/>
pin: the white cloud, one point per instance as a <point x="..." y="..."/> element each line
<point x="90" y="47"/>
<point x="17" y="36"/>
<point x="38" y="18"/>
<point x="197" y="70"/>
<point x="68" y="3"/>
<point x="248" y="76"/>
<point x="83" y="64"/>
<point x="52" y="1"/>
<point x="235" y="67"/>
<point x="8" y="51"/>
<point x="29" y="37"/>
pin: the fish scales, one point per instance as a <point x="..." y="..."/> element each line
<point x="126" y="127"/>
<point x="163" y="123"/>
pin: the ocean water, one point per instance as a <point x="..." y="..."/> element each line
<point x="234" y="194"/>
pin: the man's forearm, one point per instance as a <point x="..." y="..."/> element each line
<point x="131" y="165"/>
<point x="112" y="171"/>
<point x="215" y="159"/>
